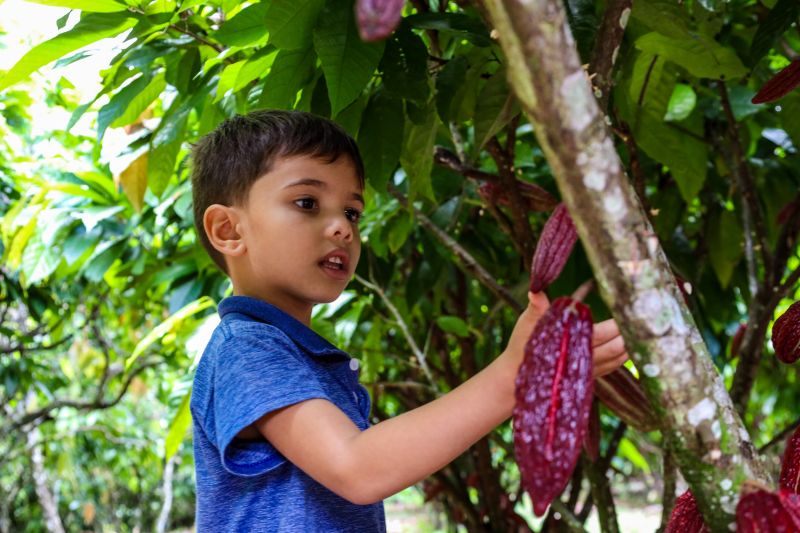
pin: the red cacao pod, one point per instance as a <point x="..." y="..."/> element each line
<point x="552" y="251"/>
<point x="761" y="511"/>
<point x="621" y="392"/>
<point x="791" y="503"/>
<point x="534" y="197"/>
<point x="591" y="442"/>
<point x="779" y="85"/>
<point x="553" y="400"/>
<point x="686" y="517"/>
<point x="377" y="19"/>
<point x="790" y="466"/>
<point x="786" y="335"/>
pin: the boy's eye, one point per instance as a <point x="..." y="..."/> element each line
<point x="353" y="215"/>
<point x="306" y="203"/>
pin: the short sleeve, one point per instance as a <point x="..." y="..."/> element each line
<point x="258" y="371"/>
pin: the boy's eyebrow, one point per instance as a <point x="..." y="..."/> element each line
<point x="321" y="184"/>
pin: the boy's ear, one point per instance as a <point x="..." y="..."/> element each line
<point x="221" y="225"/>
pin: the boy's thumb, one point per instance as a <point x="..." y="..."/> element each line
<point x="538" y="304"/>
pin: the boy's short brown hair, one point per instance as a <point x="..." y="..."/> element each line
<point x="227" y="161"/>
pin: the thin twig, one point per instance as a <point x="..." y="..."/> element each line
<point x="466" y="261"/>
<point x="423" y="363"/>
<point x="780" y="436"/>
<point x="568" y="517"/>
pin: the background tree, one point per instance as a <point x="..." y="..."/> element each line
<point x="103" y="281"/>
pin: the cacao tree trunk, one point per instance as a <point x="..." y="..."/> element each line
<point x="47" y="497"/>
<point x="712" y="448"/>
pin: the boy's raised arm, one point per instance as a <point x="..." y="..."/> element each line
<point x="365" y="467"/>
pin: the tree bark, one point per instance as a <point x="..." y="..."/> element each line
<point x="47" y="498"/>
<point x="711" y="446"/>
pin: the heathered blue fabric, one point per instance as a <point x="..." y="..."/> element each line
<point x="260" y="359"/>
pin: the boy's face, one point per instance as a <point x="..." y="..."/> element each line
<point x="299" y="225"/>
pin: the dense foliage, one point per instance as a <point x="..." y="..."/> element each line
<point x="106" y="294"/>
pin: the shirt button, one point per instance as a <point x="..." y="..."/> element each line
<point x="353" y="364"/>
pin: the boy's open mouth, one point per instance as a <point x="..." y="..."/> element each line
<point x="333" y="263"/>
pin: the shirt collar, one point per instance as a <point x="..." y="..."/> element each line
<point x="261" y="311"/>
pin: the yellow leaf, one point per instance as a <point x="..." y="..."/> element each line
<point x="134" y="181"/>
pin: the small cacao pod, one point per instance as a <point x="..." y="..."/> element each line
<point x="553" y="399"/>
<point x="790" y="466"/>
<point x="686" y="517"/>
<point x="621" y="392"/>
<point x="779" y="85"/>
<point x="377" y="19"/>
<point x="786" y="335"/>
<point x="552" y="251"/>
<point x="534" y="197"/>
<point x="760" y="510"/>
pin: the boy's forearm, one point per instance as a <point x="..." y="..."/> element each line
<point x="398" y="452"/>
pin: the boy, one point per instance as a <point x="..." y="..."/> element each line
<point x="282" y="439"/>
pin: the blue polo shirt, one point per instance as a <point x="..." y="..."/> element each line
<point x="260" y="359"/>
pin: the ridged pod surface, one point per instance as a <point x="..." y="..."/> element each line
<point x="553" y="400"/>
<point x="786" y="335"/>
<point x="790" y="466"/>
<point x="377" y="19"/>
<point x="779" y="85"/>
<point x="762" y="511"/>
<point x="686" y="517"/>
<point x="552" y="251"/>
<point x="621" y="392"/>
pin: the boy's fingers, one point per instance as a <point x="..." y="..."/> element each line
<point x="604" y="331"/>
<point x="606" y="367"/>
<point x="610" y="350"/>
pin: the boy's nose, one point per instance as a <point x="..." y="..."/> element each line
<point x="340" y="228"/>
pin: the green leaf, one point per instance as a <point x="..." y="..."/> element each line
<point x="248" y="27"/>
<point x="790" y="109"/>
<point x="380" y="138"/>
<point x="92" y="216"/>
<point x="779" y="20"/>
<point x="496" y="107"/>
<point x="177" y="428"/>
<point x="700" y="55"/>
<point x="171" y="324"/>
<point x="347" y="61"/>
<point x="725" y="246"/>
<point x="227" y="79"/>
<point x="417" y="155"/>
<point x="741" y="105"/>
<point x="405" y="66"/>
<point x="290" y="22"/>
<point x="92" y="27"/>
<point x="400" y="227"/>
<point x="681" y="103"/>
<point x="350" y="117"/>
<point x="646" y="87"/>
<point x="453" y="325"/>
<point x="255" y="67"/>
<point x="102" y="259"/>
<point x="685" y="156"/>
<point x="119" y="103"/>
<point x="141" y="101"/>
<point x="96" y="6"/>
<point x="291" y="70"/>
<point x="449" y="80"/>
<point x="39" y="261"/>
<point x="629" y="451"/>
<point x="163" y="152"/>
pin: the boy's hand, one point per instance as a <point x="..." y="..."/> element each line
<point x="608" y="349"/>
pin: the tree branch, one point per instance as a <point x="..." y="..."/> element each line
<point x="606" y="48"/>
<point x="629" y="264"/>
<point x="780" y="436"/>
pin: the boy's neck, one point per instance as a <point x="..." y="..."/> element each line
<point x="300" y="312"/>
